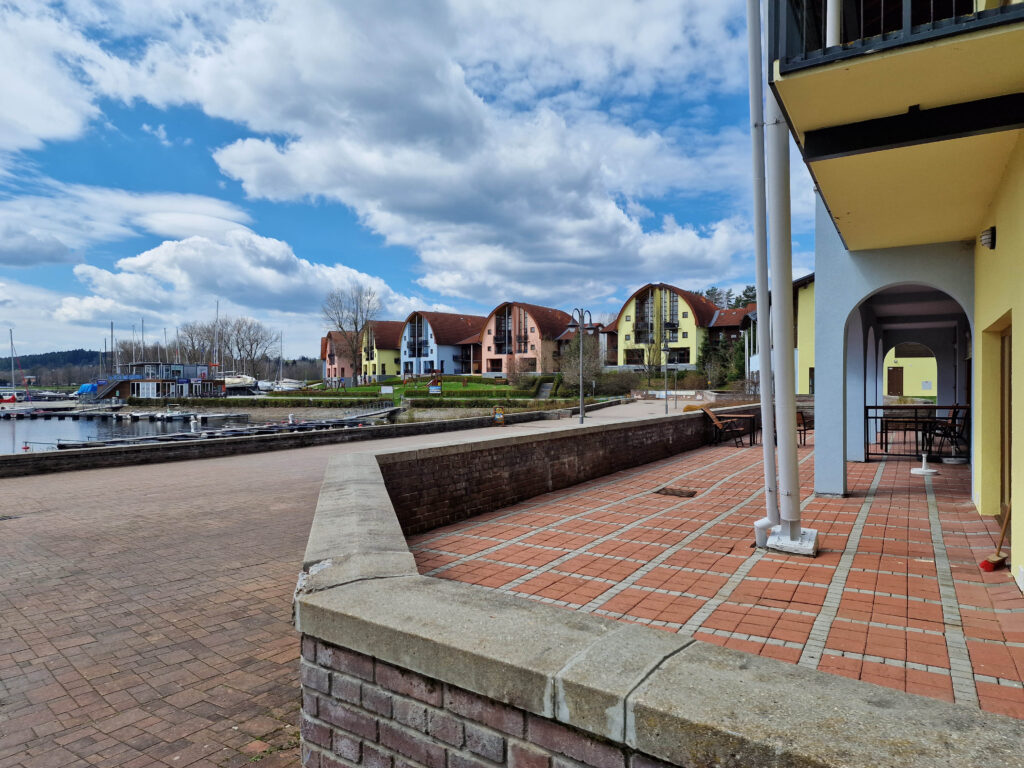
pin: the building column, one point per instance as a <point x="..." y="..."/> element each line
<point x="829" y="392"/>
<point x="855" y="387"/>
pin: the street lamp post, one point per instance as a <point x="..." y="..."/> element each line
<point x="664" y="353"/>
<point x="581" y="321"/>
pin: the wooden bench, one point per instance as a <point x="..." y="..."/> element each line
<point x="725" y="427"/>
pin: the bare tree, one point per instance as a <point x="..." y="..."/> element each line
<point x="570" y="362"/>
<point x="348" y="311"/>
<point x="249" y="340"/>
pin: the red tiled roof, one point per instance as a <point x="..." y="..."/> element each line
<point x="730" y="318"/>
<point x="336" y="340"/>
<point x="388" y="333"/>
<point x="703" y="309"/>
<point x="474" y="339"/>
<point x="612" y="327"/>
<point x="569" y="333"/>
<point x="550" y="322"/>
<point x="449" y="327"/>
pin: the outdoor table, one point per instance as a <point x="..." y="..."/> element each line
<point x="754" y="423"/>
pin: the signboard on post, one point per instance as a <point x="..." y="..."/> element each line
<point x="434" y="389"/>
<point x="387" y="390"/>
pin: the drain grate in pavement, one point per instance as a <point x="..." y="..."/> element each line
<point x="8" y="517"/>
<point x="672" y="491"/>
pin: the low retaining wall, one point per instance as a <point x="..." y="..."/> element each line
<point x="403" y="670"/>
<point x="121" y="456"/>
<point x="437" y="486"/>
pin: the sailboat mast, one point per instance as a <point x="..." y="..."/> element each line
<point x="11" y="331"/>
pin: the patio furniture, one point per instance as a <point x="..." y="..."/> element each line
<point x="949" y="430"/>
<point x="802" y="427"/>
<point x="725" y="427"/>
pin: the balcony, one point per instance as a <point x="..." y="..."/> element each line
<point x="417" y="348"/>
<point x="798" y="28"/>
<point x="906" y="145"/>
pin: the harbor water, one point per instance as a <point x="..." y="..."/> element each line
<point x="24" y="435"/>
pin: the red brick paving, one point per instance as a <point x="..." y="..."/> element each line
<point x="146" y="613"/>
<point x="613" y="547"/>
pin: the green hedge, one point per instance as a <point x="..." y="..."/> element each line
<point x="498" y="392"/>
<point x="328" y="394"/>
<point x="448" y="402"/>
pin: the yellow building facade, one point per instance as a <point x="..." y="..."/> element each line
<point x="659" y="312"/>
<point x="911" y="376"/>
<point x="380" y="354"/>
<point x="804" y="307"/>
<point x="999" y="297"/>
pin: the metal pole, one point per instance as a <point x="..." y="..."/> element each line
<point x="666" y="379"/>
<point x="771" y="519"/>
<point x="579" y="334"/>
<point x="833" y="21"/>
<point x="791" y="538"/>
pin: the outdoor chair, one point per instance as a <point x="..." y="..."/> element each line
<point x="802" y="427"/>
<point x="725" y="428"/>
<point x="949" y="430"/>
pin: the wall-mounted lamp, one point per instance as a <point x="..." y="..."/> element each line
<point x="988" y="238"/>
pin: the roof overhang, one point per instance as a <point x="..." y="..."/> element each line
<point x="907" y="146"/>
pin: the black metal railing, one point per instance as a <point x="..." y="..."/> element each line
<point x="797" y="28"/>
<point x="910" y="430"/>
<point x="417" y="348"/>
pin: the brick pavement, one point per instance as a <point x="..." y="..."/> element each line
<point x="145" y="611"/>
<point x="895" y="596"/>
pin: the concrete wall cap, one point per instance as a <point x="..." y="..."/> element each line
<point x="708" y="705"/>
<point x="499" y="646"/>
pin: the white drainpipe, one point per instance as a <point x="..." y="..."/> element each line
<point x="790" y="537"/>
<point x="761" y="527"/>
<point x="833" y="19"/>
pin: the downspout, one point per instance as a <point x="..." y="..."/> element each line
<point x="790" y="537"/>
<point x="771" y="519"/>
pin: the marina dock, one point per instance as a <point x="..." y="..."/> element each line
<point x="269" y="428"/>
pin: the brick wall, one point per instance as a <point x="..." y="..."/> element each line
<point x="433" y="488"/>
<point x="357" y="710"/>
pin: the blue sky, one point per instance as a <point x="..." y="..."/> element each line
<point x="158" y="157"/>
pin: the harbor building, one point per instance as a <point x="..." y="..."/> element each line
<point x="521" y="338"/>
<point x="380" y="348"/>
<point x="336" y="359"/>
<point x="660" y="316"/>
<point x="434" y="342"/>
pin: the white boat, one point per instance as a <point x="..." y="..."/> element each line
<point x="239" y="380"/>
<point x="288" y="385"/>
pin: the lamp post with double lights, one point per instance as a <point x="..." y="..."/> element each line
<point x="581" y="321"/>
<point x="664" y="354"/>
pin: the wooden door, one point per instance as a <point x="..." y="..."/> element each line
<point x="894" y="377"/>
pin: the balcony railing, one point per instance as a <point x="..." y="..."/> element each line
<point x="417" y="348"/>
<point x="798" y="28"/>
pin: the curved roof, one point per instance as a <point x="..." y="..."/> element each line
<point x="703" y="309"/>
<point x="450" y="328"/>
<point x="388" y="333"/>
<point x="550" y="322"/>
